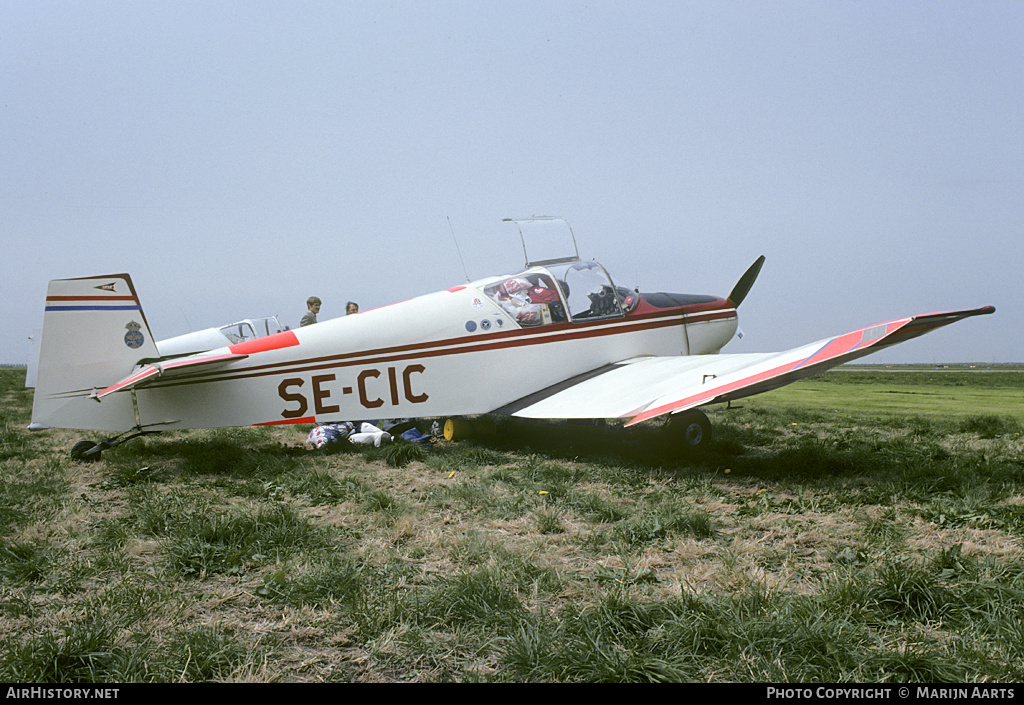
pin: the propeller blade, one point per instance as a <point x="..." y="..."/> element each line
<point x="739" y="292"/>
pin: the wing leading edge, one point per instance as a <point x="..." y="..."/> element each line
<point x="644" y="388"/>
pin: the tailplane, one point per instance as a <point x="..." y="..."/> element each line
<point x="94" y="333"/>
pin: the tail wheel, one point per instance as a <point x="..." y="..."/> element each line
<point x="691" y="428"/>
<point x="80" y="452"/>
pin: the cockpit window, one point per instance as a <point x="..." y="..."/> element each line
<point x="539" y="296"/>
<point x="588" y="290"/>
<point x="266" y="326"/>
<point x="238" y="332"/>
<point x="529" y="298"/>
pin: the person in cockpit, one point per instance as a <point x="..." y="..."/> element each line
<point x="530" y="300"/>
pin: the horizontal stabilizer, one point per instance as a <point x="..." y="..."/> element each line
<point x="156" y="370"/>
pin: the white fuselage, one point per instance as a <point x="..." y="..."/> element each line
<point x="454" y="352"/>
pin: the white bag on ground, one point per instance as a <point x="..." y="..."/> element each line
<point x="368" y="433"/>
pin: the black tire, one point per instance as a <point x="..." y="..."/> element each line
<point x="80" y="449"/>
<point x="691" y="429"/>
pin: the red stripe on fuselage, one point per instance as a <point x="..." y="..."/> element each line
<point x="285" y="422"/>
<point x="645" y="307"/>
<point x="469" y="344"/>
<point x="92" y="298"/>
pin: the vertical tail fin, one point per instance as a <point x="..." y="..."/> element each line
<point x="94" y="332"/>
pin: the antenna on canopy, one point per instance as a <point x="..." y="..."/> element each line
<point x="457" y="250"/>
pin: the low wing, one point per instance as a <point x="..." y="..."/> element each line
<point x="645" y="387"/>
<point x="155" y="370"/>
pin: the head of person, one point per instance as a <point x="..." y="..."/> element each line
<point x="313" y="304"/>
<point x="351" y="307"/>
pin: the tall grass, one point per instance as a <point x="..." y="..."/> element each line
<point x="801" y="546"/>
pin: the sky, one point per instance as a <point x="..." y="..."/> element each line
<point x="236" y="157"/>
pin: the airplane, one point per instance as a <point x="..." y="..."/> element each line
<point x="558" y="340"/>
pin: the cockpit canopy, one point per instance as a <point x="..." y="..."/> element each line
<point x="565" y="292"/>
<point x="557" y="287"/>
<point x="251" y="328"/>
<point x="588" y="289"/>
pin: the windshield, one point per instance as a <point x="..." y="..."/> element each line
<point x="266" y="326"/>
<point x="238" y="332"/>
<point x="588" y="290"/>
<point x="539" y="296"/>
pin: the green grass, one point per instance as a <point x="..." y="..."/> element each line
<point x="865" y="526"/>
<point x="929" y="393"/>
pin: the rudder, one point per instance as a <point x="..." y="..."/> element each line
<point x="94" y="333"/>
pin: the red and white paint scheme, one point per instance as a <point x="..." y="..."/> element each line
<point x="557" y="341"/>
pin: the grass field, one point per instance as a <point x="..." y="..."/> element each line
<point x="865" y="526"/>
<point x="926" y="392"/>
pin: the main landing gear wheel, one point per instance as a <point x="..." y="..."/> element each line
<point x="459" y="429"/>
<point x="691" y="429"/>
